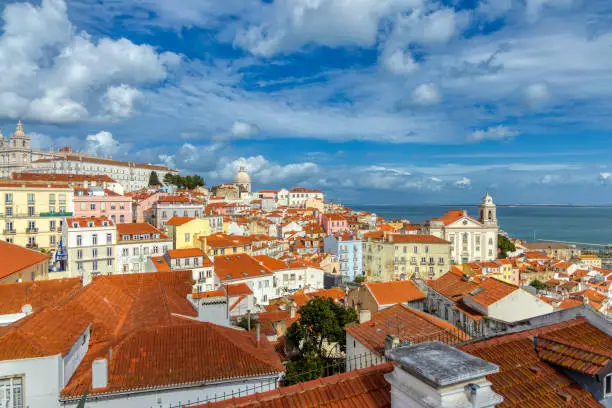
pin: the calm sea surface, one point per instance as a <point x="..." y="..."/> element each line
<point x="575" y="224"/>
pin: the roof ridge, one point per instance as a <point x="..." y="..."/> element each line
<point x="574" y="344"/>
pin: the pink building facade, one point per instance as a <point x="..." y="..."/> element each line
<point x="98" y="202"/>
<point x="334" y="223"/>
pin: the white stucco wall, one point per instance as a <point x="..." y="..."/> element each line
<point x="43" y="379"/>
<point x="359" y="356"/>
<point x="517" y="306"/>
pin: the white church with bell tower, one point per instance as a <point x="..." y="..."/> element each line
<point x="471" y="239"/>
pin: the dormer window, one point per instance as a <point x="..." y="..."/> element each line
<point x="156" y="236"/>
<point x="90" y="224"/>
<point x="136" y="237"/>
<point x="125" y="237"/>
<point x="608" y="385"/>
<point x="145" y="236"/>
<point x="75" y="225"/>
<point x="105" y="223"/>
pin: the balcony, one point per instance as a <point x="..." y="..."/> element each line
<point x="10" y="232"/>
<point x="56" y="214"/>
<point x="31" y="230"/>
<point x="32" y="246"/>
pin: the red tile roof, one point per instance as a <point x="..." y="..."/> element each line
<point x="272" y="263"/>
<point x="38" y="294"/>
<point x="415" y="239"/>
<point x="581" y="347"/>
<point x="407" y="324"/>
<point x="238" y="289"/>
<point x="452" y="285"/>
<point x="239" y="266"/>
<point x="85" y="222"/>
<point x="179" y="220"/>
<point x="491" y="290"/>
<point x="16" y="258"/>
<point x="524" y="380"/>
<point x="138" y="228"/>
<point x="187" y="253"/>
<point x="389" y="293"/>
<point x="173" y="355"/>
<point x="454" y="216"/>
<point x="365" y="388"/>
<point x="78" y="178"/>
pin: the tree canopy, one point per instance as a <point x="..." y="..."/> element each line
<point x="153" y="179"/>
<point x="505" y="246"/>
<point x="189" y="182"/>
<point x="320" y="325"/>
<point x="537" y="284"/>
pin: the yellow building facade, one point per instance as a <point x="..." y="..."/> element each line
<point x="399" y="257"/>
<point x="185" y="231"/>
<point x="32" y="214"/>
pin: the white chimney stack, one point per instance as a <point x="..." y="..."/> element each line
<point x="99" y="373"/>
<point x="435" y="374"/>
<point x="364" y="316"/>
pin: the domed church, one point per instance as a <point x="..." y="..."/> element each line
<point x="243" y="181"/>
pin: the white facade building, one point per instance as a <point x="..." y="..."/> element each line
<point x="472" y="240"/>
<point x="131" y="176"/>
<point x="90" y="246"/>
<point x="136" y="244"/>
<point x="299" y="195"/>
<point x="17" y="155"/>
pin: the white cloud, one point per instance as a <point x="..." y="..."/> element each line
<point x="191" y="158"/>
<point x="463" y="183"/>
<point x="426" y="94"/>
<point x="401" y="63"/>
<point x="499" y="132"/>
<point x="51" y="72"/>
<point x="103" y="144"/>
<point x="605" y="178"/>
<point x="533" y="8"/>
<point x="287" y="25"/>
<point x="263" y="171"/>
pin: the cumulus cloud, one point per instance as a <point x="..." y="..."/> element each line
<point x="605" y="178"/>
<point x="463" y="183"/>
<point x="287" y="25"/>
<point x="263" y="171"/>
<point x="400" y="63"/>
<point x="191" y="158"/>
<point x="51" y="72"/>
<point x="426" y="94"/>
<point x="499" y="132"/>
<point x="103" y="144"/>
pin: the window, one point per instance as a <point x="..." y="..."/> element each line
<point x="109" y="252"/>
<point x="11" y="392"/>
<point x="415" y="249"/>
<point x="121" y="219"/>
<point x="30" y="198"/>
<point x="145" y="250"/>
<point x="30" y="211"/>
<point x="51" y="225"/>
<point x="94" y="265"/>
<point x="125" y="252"/>
<point x="80" y="254"/>
<point x="94" y="252"/>
<point x="135" y="252"/>
<point x="52" y="199"/>
<point x="187" y="261"/>
<point x="8" y="198"/>
<point x="126" y="237"/>
<point x="92" y="206"/>
<point x="79" y="240"/>
<point x="109" y="262"/>
<point x="109" y="238"/>
<point x="94" y="239"/>
<point x="187" y="237"/>
<point x="9" y="211"/>
<point x="155" y="249"/>
<point x="608" y="385"/>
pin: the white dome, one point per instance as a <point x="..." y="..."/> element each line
<point x="242" y="177"/>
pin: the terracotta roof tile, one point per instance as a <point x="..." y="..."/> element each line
<point x="490" y="290"/>
<point x="239" y="266"/>
<point x="407" y="324"/>
<point x="365" y="388"/>
<point x="16" y="258"/>
<point x="389" y="293"/>
<point x="179" y="220"/>
<point x="38" y="294"/>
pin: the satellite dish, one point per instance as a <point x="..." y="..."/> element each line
<point x="26" y="309"/>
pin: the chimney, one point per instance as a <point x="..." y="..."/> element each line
<point x="292" y="310"/>
<point x="435" y="374"/>
<point x="364" y="316"/>
<point x="86" y="279"/>
<point x="99" y="373"/>
<point x="258" y="335"/>
<point x="391" y="342"/>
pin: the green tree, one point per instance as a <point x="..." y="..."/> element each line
<point x="169" y="178"/>
<point x="505" y="246"/>
<point x="360" y="279"/>
<point x="537" y="284"/>
<point x="153" y="179"/>
<point x="308" y="368"/>
<point x="321" y="322"/>
<point x="244" y="322"/>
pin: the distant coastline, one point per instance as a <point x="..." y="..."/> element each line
<point x="472" y="205"/>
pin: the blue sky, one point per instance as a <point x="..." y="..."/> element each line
<point x="374" y="101"/>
